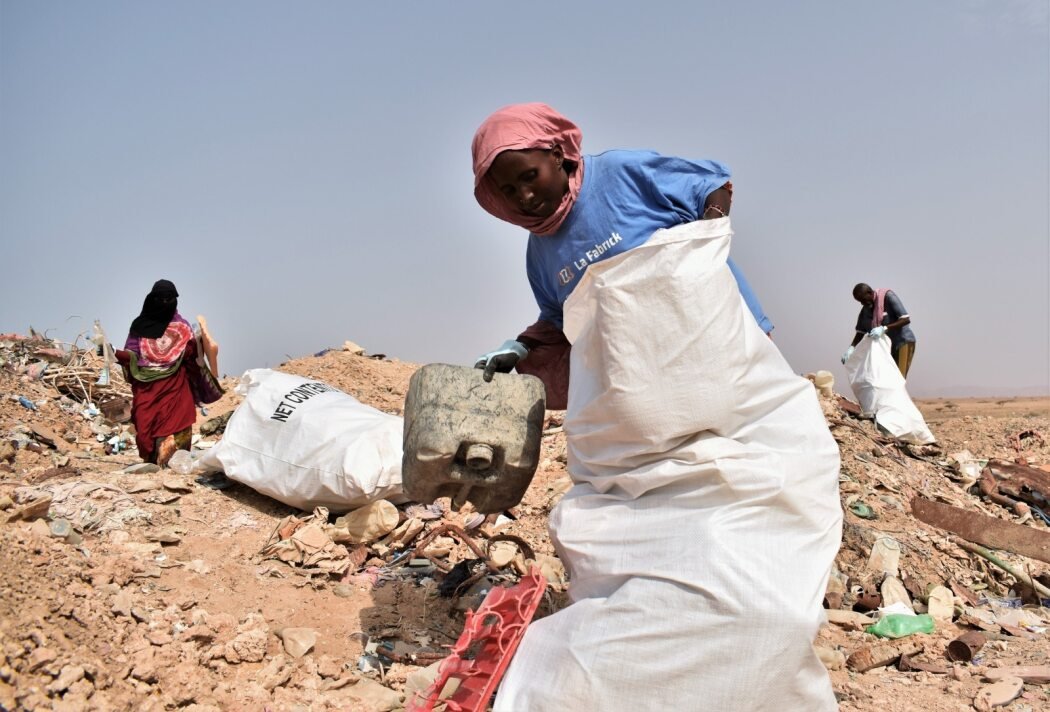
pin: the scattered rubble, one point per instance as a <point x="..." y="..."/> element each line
<point x="124" y="586"/>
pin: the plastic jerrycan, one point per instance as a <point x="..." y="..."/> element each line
<point x="471" y="440"/>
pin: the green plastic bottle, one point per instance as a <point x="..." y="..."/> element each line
<point x="900" y="625"/>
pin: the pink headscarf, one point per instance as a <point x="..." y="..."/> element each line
<point x="879" y="308"/>
<point x="520" y="127"/>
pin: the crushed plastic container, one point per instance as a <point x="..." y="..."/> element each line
<point x="181" y="462"/>
<point x="471" y="440"/>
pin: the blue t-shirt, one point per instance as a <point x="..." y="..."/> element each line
<point x="626" y="196"/>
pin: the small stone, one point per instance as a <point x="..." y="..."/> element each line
<point x="999" y="694"/>
<point x="198" y="566"/>
<point x="143" y="468"/>
<point x="327" y="667"/>
<point x="33" y="510"/>
<point x="856" y="691"/>
<point x="343" y="590"/>
<point x="276" y="673"/>
<point x="298" y="641"/>
<point x="143" y="486"/>
<point x="41" y="657"/>
<point x="832" y="659"/>
<point x="144" y="667"/>
<point x="6" y="502"/>
<point x="122" y="604"/>
<point x="7" y="697"/>
<point x="159" y="637"/>
<point x="40" y="529"/>
<point x="502" y="553"/>
<point x="177" y="486"/>
<point x="162" y="498"/>
<point x="247" y="647"/>
<point x="164" y="537"/>
<point x="374" y="696"/>
<point x="941" y="604"/>
<point x="66" y="678"/>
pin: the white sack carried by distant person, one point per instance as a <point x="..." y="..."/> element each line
<point x="880" y="389"/>
<point x="704" y="516"/>
<point x="308" y="444"/>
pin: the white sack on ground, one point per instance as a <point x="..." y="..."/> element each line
<point x="308" y="444"/>
<point x="880" y="389"/>
<point x="705" y="515"/>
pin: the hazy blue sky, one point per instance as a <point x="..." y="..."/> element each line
<point x="301" y="171"/>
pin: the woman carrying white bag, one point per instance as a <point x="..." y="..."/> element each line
<point x="704" y="516"/>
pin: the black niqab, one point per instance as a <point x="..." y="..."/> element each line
<point x="157" y="311"/>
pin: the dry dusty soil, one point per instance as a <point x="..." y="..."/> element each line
<point x="160" y="599"/>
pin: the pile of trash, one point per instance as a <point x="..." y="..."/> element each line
<point x="136" y="587"/>
<point x="79" y="380"/>
<point x="428" y="545"/>
<point x="944" y="554"/>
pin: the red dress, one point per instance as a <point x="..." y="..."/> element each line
<point x="163" y="407"/>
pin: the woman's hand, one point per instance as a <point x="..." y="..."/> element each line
<point x="718" y="203"/>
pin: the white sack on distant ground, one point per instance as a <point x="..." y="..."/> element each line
<point x="705" y="514"/>
<point x="880" y="389"/>
<point x="308" y="444"/>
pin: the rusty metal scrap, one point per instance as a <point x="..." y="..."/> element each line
<point x="989" y="487"/>
<point x="881" y="654"/>
<point x="447" y="529"/>
<point x="1023" y="482"/>
<point x="982" y="529"/>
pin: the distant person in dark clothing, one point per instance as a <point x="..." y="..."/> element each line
<point x="160" y="361"/>
<point x="883" y="314"/>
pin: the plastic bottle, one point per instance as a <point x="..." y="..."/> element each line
<point x="26" y="403"/>
<point x="897" y="625"/>
<point x="181" y="462"/>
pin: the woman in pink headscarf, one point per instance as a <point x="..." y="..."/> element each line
<point x="698" y="457"/>
<point x="529" y="171"/>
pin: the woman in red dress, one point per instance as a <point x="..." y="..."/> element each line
<point x="160" y="362"/>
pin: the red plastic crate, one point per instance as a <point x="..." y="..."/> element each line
<point x="484" y="649"/>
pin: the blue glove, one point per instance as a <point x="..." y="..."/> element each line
<point x="849" y="352"/>
<point x="877" y="332"/>
<point x="502" y="359"/>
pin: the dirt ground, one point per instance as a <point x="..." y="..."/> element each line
<point x="160" y="599"/>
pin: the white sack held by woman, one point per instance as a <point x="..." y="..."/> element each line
<point x="705" y="513"/>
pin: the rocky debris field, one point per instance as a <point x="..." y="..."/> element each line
<point x="123" y="587"/>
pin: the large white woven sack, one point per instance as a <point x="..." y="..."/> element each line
<point x="704" y="516"/>
<point x="880" y="389"/>
<point x="308" y="444"/>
